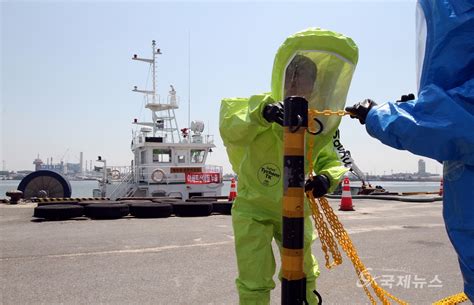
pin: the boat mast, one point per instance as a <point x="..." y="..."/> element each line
<point x="165" y="124"/>
<point x="153" y="65"/>
<point x="189" y="79"/>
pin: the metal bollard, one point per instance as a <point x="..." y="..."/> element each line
<point x="293" y="281"/>
<point x="15" y="196"/>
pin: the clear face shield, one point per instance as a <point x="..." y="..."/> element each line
<point x="420" y="42"/>
<point x="323" y="78"/>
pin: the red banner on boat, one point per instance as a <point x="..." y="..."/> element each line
<point x="202" y="178"/>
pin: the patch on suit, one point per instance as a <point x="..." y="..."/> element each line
<point x="269" y="174"/>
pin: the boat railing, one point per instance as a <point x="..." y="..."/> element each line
<point x="149" y="99"/>
<point x="170" y="99"/>
<point x="121" y="188"/>
<point x="117" y="173"/>
<point x="203" y="139"/>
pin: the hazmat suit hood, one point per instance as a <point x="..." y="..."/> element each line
<point x="445" y="43"/>
<point x="317" y="64"/>
<point x="316" y="59"/>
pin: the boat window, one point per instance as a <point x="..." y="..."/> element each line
<point x="197" y="155"/>
<point x="162" y="155"/>
<point x="181" y="159"/>
<point x="143" y="157"/>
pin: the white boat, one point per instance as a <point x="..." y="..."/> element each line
<point x="168" y="161"/>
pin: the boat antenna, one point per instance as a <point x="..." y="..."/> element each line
<point x="153" y="46"/>
<point x="189" y="78"/>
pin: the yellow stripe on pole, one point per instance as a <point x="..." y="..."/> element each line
<point x="293" y="264"/>
<point x="293" y="203"/>
<point x="292" y="142"/>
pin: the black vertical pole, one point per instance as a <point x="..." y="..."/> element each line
<point x="293" y="277"/>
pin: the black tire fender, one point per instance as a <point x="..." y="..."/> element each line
<point x="58" y="211"/>
<point x="222" y="207"/>
<point x="192" y="209"/>
<point x="151" y="210"/>
<point x="106" y="210"/>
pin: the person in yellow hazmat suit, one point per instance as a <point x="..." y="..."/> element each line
<point x="318" y="65"/>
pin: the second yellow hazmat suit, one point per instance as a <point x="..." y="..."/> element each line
<point x="254" y="147"/>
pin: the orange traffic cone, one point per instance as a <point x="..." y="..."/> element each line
<point x="346" y="199"/>
<point x="441" y="188"/>
<point x="233" y="192"/>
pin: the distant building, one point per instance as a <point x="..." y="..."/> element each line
<point x="421" y="168"/>
<point x="37" y="162"/>
<point x="61" y="168"/>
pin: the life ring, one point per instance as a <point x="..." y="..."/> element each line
<point x="115" y="174"/>
<point x="158" y="175"/>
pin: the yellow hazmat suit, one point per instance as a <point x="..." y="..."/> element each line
<point x="254" y="147"/>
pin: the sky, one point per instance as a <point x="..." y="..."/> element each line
<point x="67" y="74"/>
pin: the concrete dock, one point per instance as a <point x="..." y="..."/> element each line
<point x="192" y="261"/>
